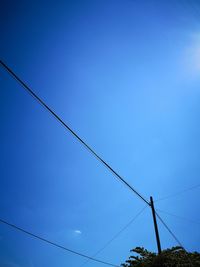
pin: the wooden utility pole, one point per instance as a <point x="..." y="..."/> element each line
<point x="155" y="225"/>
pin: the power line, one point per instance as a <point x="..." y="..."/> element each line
<point x="179" y="217"/>
<point x="173" y="235"/>
<point x="116" y="235"/>
<point x="55" y="244"/>
<point x="178" y="193"/>
<point x="168" y="229"/>
<point x="36" y="97"/>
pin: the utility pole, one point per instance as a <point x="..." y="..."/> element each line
<point x="155" y="225"/>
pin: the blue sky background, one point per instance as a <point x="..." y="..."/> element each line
<point x="125" y="75"/>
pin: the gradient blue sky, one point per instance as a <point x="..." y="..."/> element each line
<point x="125" y="75"/>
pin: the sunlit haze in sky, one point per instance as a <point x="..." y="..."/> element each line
<point x="125" y="76"/>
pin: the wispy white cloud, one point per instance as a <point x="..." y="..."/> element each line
<point x="77" y="232"/>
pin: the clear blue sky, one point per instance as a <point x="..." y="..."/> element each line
<point x="125" y="75"/>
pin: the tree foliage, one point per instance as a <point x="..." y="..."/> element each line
<point x="173" y="257"/>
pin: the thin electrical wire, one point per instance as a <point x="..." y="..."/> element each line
<point x="178" y="193"/>
<point x="173" y="235"/>
<point x="177" y="216"/>
<point x="55" y="244"/>
<point x="116" y="235"/>
<point x="168" y="229"/>
<point x="36" y="97"/>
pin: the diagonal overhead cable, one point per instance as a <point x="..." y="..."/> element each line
<point x="178" y="193"/>
<point x="55" y="244"/>
<point x="175" y="238"/>
<point x="168" y="229"/>
<point x="36" y="97"/>
<point x="116" y="235"/>
<point x="178" y="217"/>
